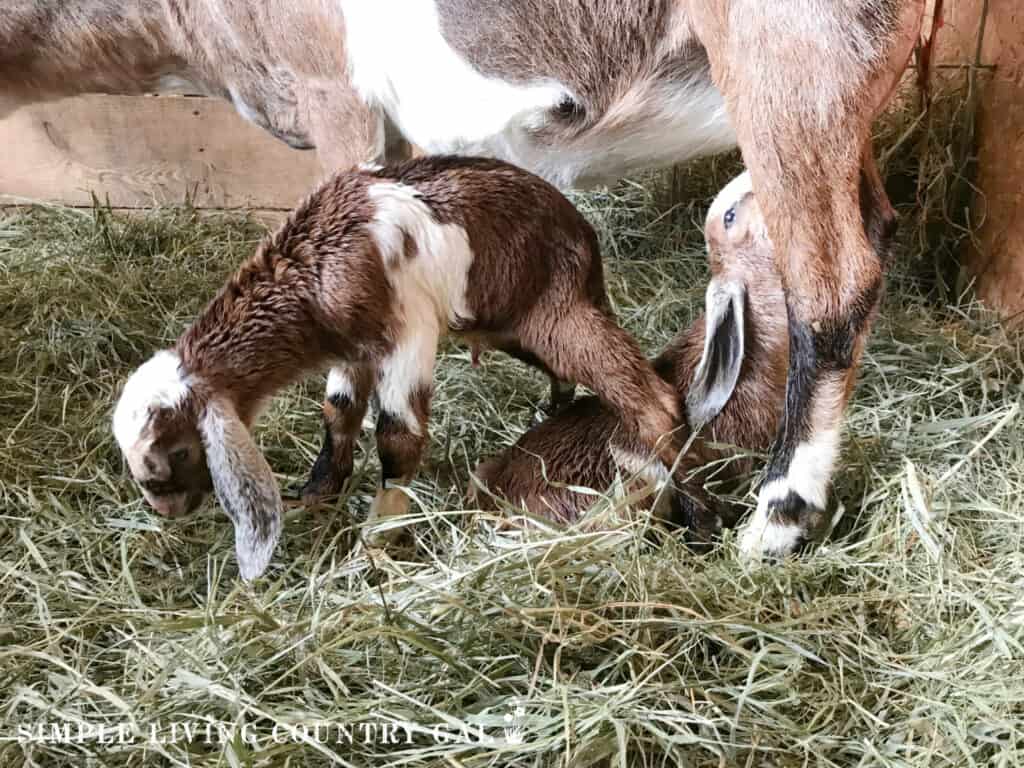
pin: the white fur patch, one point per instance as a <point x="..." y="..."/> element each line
<point x="430" y="288"/>
<point x="155" y="384"/>
<point x="438" y="272"/>
<point x="729" y="195"/>
<point x="809" y="474"/>
<point x="651" y="470"/>
<point x="339" y="384"/>
<point x="653" y="125"/>
<point x="409" y="367"/>
<point x="400" y="62"/>
<point x="763" y="537"/>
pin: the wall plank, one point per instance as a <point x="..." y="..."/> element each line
<point x="997" y="259"/>
<point x="137" y="151"/>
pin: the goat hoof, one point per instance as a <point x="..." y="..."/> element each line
<point x="782" y="525"/>
<point x="545" y="410"/>
<point x="703" y="525"/>
<point x="323" y="485"/>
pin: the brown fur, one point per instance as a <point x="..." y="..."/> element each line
<point x="317" y="292"/>
<point x="576" y="446"/>
<point x="282" y="64"/>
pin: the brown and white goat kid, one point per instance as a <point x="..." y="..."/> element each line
<point x="578" y="91"/>
<point x="730" y="366"/>
<point x="366" y="276"/>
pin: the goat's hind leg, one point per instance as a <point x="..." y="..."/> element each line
<point x="562" y="392"/>
<point x="584" y="344"/>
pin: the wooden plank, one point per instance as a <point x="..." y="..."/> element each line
<point x="997" y="256"/>
<point x="138" y="151"/>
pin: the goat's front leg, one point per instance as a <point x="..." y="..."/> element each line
<point x="348" y="393"/>
<point x="403" y="394"/>
<point x="802" y="139"/>
<point x="346" y="132"/>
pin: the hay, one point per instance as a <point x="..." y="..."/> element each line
<point x="897" y="643"/>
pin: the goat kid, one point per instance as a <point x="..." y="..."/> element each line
<point x="366" y="276"/>
<point x="729" y="367"/>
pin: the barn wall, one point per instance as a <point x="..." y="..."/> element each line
<point x="997" y="256"/>
<point x="137" y="151"/>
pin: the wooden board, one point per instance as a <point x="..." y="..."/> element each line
<point x="997" y="257"/>
<point x="137" y="151"/>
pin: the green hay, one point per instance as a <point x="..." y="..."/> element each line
<point x="897" y="643"/>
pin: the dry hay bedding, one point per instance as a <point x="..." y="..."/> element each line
<point x="897" y="643"/>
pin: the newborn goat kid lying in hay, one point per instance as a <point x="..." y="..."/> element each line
<point x="729" y="368"/>
<point x="366" y="276"/>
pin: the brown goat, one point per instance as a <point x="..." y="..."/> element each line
<point x="732" y="361"/>
<point x="365" y="277"/>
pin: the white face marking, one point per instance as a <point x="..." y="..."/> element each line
<point x="400" y="63"/>
<point x="155" y="384"/>
<point x="729" y="195"/>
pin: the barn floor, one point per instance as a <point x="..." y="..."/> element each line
<point x="900" y="642"/>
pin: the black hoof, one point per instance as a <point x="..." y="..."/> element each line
<point x="702" y="522"/>
<point x="325" y="483"/>
<point x="546" y="409"/>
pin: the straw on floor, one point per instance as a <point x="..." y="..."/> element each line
<point x="127" y="639"/>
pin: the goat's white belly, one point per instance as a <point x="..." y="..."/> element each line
<point x="400" y="63"/>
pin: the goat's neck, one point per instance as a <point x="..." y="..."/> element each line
<point x="260" y="334"/>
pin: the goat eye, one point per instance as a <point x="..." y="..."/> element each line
<point x="178" y="456"/>
<point x="569" y="109"/>
<point x="730" y="217"/>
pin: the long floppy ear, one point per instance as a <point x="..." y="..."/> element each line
<point x="245" y="487"/>
<point x="719" y="367"/>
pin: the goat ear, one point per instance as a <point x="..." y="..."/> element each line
<point x="719" y="367"/>
<point x="245" y="487"/>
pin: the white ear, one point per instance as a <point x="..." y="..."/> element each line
<point x="719" y="367"/>
<point x="245" y="487"/>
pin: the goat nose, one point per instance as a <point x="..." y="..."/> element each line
<point x="171" y="505"/>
